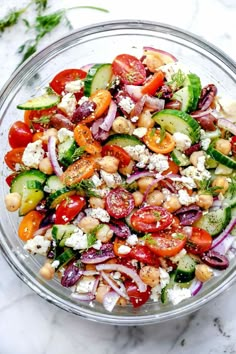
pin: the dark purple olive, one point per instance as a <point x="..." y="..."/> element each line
<point x="51" y="251"/>
<point x="72" y="274"/>
<point x="48" y="219"/>
<point x="208" y="94"/>
<point x="164" y="92"/>
<point x="188" y="214"/>
<point x="207" y="122"/>
<point x="193" y="148"/>
<point x="58" y="121"/>
<point x="93" y="256"/>
<point x="215" y="260"/>
<point x="83" y="111"/>
<point x="120" y="229"/>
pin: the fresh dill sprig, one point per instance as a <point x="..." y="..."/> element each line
<point x="87" y="187"/>
<point x="177" y="80"/>
<point x="91" y="236"/>
<point x="205" y="187"/>
<point x="78" y="153"/>
<point x="162" y="134"/>
<point x="11" y="18"/>
<point x="149" y="239"/>
<point x="41" y="5"/>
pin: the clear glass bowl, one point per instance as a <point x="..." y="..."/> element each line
<point x="101" y="43"/>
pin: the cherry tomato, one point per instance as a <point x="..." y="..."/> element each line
<point x="39" y="120"/>
<point x="119" y="203"/>
<point x="10" y="178"/>
<point x="233" y="144"/>
<point x="167" y="243"/>
<point x="152" y="85"/>
<point x="19" y="135"/>
<point x="151" y="219"/>
<point x="173" y="168"/>
<point x="136" y="297"/>
<point x="79" y="170"/>
<point x="14" y="157"/>
<point x="69" y="208"/>
<point x="145" y="255"/>
<point x="29" y="224"/>
<point x="59" y="82"/>
<point x="129" y="69"/>
<point x="117" y="243"/>
<point x="153" y="140"/>
<point x="84" y="138"/>
<point x="118" y="152"/>
<point x="199" y="242"/>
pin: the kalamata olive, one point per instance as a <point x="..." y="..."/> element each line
<point x="193" y="148"/>
<point x="51" y="251"/>
<point x="83" y="111"/>
<point x="72" y="274"/>
<point x="173" y="104"/>
<point x="49" y="219"/>
<point x="58" y="121"/>
<point x="188" y="214"/>
<point x="93" y="256"/>
<point x="120" y="229"/>
<point x="215" y="260"/>
<point x="207" y="122"/>
<point x="207" y="96"/>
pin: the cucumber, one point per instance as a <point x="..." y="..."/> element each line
<point x="41" y="102"/>
<point x="185" y="96"/>
<point x="57" y="197"/>
<point x="233" y="214"/>
<point x="34" y="184"/>
<point x="65" y="257"/>
<point x="180" y="158"/>
<point x="170" y="285"/>
<point x="30" y="199"/>
<point x="98" y="77"/>
<point x="219" y="157"/>
<point x="211" y="163"/>
<point x="61" y="232"/>
<point x="185" y="271"/>
<point x="123" y="140"/>
<point x="230" y="197"/>
<point x="177" y="121"/>
<point x="66" y="151"/>
<point x="54" y="183"/>
<point x="194" y="81"/>
<point x="20" y="182"/>
<point x="211" y="134"/>
<point x="215" y="221"/>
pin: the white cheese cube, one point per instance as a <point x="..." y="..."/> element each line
<point x="33" y="154"/>
<point x="68" y="104"/>
<point x="38" y="245"/>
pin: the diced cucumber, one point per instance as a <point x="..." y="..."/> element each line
<point x="194" y="81"/>
<point x="65" y="257"/>
<point x="57" y="197"/>
<point x="66" y="151"/>
<point x="177" y="121"/>
<point x="20" y="182"/>
<point x="185" y="96"/>
<point x="41" y="102"/>
<point x="61" y="232"/>
<point x="219" y="157"/>
<point x="180" y="158"/>
<point x="185" y="271"/>
<point x="98" y="77"/>
<point x="123" y="140"/>
<point x="215" y="221"/>
<point x="54" y="183"/>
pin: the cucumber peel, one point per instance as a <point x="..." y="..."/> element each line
<point x="40" y="102"/>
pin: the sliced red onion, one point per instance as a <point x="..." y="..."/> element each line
<point x="114" y="286"/>
<point x="161" y="52"/>
<point x="87" y="67"/>
<point x="199" y="114"/>
<point x="227" y="125"/>
<point x="89" y="273"/>
<point x="224" y="234"/>
<point x="98" y="133"/>
<point x="168" y="185"/>
<point x="71" y="275"/>
<point x="225" y="245"/>
<point x="195" y="287"/>
<point x="42" y="230"/>
<point x="83" y="297"/>
<point x="120" y="229"/>
<point x="79" y="217"/>
<point x="93" y="256"/>
<point x="138" y="175"/>
<point x="95" y="285"/>
<point x="110" y="300"/>
<point x="135" y="92"/>
<point x="154" y="103"/>
<point x="52" y="154"/>
<point x="109" y="119"/>
<point x="188" y="214"/>
<point x="127" y="271"/>
<point x="49" y="219"/>
<point x="138" y="108"/>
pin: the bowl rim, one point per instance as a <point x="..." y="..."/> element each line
<point x="16" y="75"/>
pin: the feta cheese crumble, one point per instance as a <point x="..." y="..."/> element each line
<point x="85" y="284"/>
<point x="98" y="213"/>
<point x="74" y="86"/>
<point x="158" y="162"/>
<point x="78" y="240"/>
<point x="185" y="198"/>
<point x="126" y="104"/>
<point x="63" y="134"/>
<point x="55" y="264"/>
<point x="177" y="294"/>
<point x="123" y="249"/>
<point x="112" y="180"/>
<point x="132" y="240"/>
<point x="68" y="104"/>
<point x="33" y="154"/>
<point x="205" y="143"/>
<point x="38" y="245"/>
<point x="182" y="141"/>
<point x="140" y="132"/>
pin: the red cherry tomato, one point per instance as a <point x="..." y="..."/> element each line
<point x="14" y="157"/>
<point x="10" y="178"/>
<point x="59" y="82"/>
<point x="199" y="241"/>
<point x="129" y="69"/>
<point x="69" y="208"/>
<point x="233" y="144"/>
<point x="119" y="203"/>
<point x="144" y="254"/>
<point x="137" y="298"/>
<point x="151" y="219"/>
<point x="118" y="152"/>
<point x="19" y="135"/>
<point x="39" y="120"/>
<point x="153" y="83"/>
<point x="167" y="243"/>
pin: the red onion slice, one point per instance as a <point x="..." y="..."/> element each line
<point x="135" y="92"/>
<point x="138" y="108"/>
<point x="188" y="214"/>
<point x="52" y="154"/>
<point x="127" y="271"/>
<point x="114" y="286"/>
<point x="93" y="256"/>
<point x="154" y="103"/>
<point x="225" y="245"/>
<point x="109" y="119"/>
<point x="162" y="53"/>
<point x="110" y="300"/>
<point x="42" y="231"/>
<point x="87" y="67"/>
<point x="138" y="175"/>
<point x="83" y="297"/>
<point x="195" y="287"/>
<point x="224" y="234"/>
<point x="227" y="124"/>
<point x="151" y="185"/>
<point x="199" y="114"/>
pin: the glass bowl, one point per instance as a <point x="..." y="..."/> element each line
<point x="101" y="43"/>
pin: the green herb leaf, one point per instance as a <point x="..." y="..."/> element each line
<point x="45" y="24"/>
<point x="88" y="187"/>
<point x="28" y="49"/>
<point x="177" y="80"/>
<point x="149" y="239"/>
<point x="131" y="187"/>
<point x="11" y="19"/>
<point x="42" y="120"/>
<point x="205" y="187"/>
<point x="78" y="153"/>
<point x="152" y="132"/>
<point x="91" y="236"/>
<point x="162" y="134"/>
<point x="41" y="5"/>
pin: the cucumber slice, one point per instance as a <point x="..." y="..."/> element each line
<point x="57" y="197"/>
<point x="170" y="285"/>
<point x="179" y="158"/>
<point x="219" y="157"/>
<point x="214" y="222"/>
<point x="65" y="257"/>
<point x="123" y="140"/>
<point x="211" y="163"/>
<point x="185" y="271"/>
<point x="54" y="183"/>
<point x="230" y="198"/>
<point x="30" y="199"/>
<point x="41" y="102"/>
<point x="194" y="81"/>
<point x="61" y="232"/>
<point x="66" y="151"/>
<point x="21" y="181"/>
<point x="98" y="77"/>
<point x="233" y="214"/>
<point x="177" y="121"/>
<point x="186" y="97"/>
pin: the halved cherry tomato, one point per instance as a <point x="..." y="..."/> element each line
<point x="79" y="170"/>
<point x="129" y="69"/>
<point x="39" y="120"/>
<point x="151" y="219"/>
<point x="152" y="138"/>
<point x="173" y="168"/>
<point x="118" y="152"/>
<point x="233" y="144"/>
<point x="10" y="178"/>
<point x="199" y="242"/>
<point x="136" y="297"/>
<point x="69" y="208"/>
<point x="84" y="138"/>
<point x="119" y="203"/>
<point x="29" y="224"/>
<point x="116" y="245"/>
<point x="37" y="136"/>
<point x="167" y="243"/>
<point x="143" y="254"/>
<point x="156" y="81"/>
<point x="59" y="82"/>
<point x="19" y="135"/>
<point x="14" y="157"/>
<point x="102" y="99"/>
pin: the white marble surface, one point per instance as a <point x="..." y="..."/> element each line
<point x="28" y="324"/>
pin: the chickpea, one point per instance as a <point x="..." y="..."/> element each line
<point x="204" y="201"/>
<point x="47" y="133"/>
<point x="223" y="146"/>
<point x="109" y="164"/>
<point x="145" y="120"/>
<point x="127" y="170"/>
<point x="88" y="223"/>
<point x="122" y="302"/>
<point x="45" y="166"/>
<point x="172" y="204"/>
<point x="153" y="61"/>
<point x="138" y="198"/>
<point x="121" y="125"/>
<point x="13" y="201"/>
<point x="131" y="127"/>
<point x="203" y="272"/>
<point x="144" y="182"/>
<point x="150" y="275"/>
<point x="155" y="198"/>
<point x="97" y="202"/>
<point x="195" y="156"/>
<point x="222" y="182"/>
<point x="104" y="234"/>
<point x="47" y="271"/>
<point x="102" y="290"/>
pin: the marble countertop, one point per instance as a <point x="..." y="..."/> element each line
<point x="28" y="324"/>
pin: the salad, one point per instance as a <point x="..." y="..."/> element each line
<point x="123" y="175"/>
